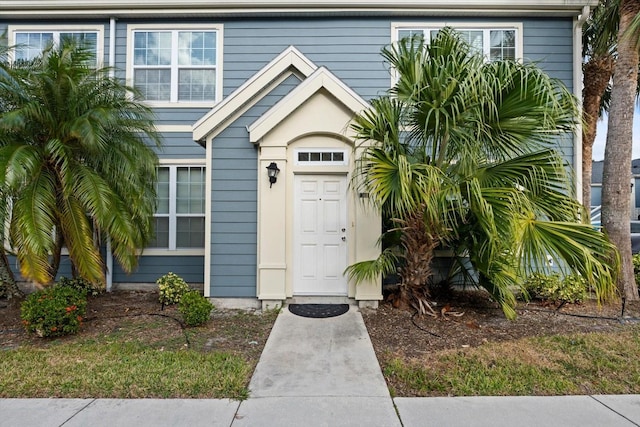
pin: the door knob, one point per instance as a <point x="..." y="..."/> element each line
<point x="344" y="239"/>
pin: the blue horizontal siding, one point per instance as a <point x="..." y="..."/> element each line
<point x="63" y="270"/>
<point x="349" y="47"/>
<point x="180" y="116"/>
<point x="243" y="289"/>
<point x="180" y="145"/>
<point x="234" y="203"/>
<point x="550" y="41"/>
<point x="150" y="268"/>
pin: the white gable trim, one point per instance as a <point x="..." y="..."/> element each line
<point x="218" y="118"/>
<point x="320" y="79"/>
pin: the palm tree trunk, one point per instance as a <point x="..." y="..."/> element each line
<point x="616" y="180"/>
<point x="7" y="280"/>
<point x="597" y="74"/>
<point x="57" y="256"/>
<point x="419" y="245"/>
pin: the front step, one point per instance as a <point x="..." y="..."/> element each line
<point x="301" y="299"/>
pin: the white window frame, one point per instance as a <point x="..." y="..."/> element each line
<point x="218" y="28"/>
<point x="173" y="166"/>
<point x="56" y="30"/>
<point x="486" y="27"/>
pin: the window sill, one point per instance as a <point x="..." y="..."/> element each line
<point x="167" y="104"/>
<point x="177" y="252"/>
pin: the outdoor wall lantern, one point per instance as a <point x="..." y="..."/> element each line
<point x="272" y="171"/>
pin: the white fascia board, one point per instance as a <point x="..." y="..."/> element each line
<point x="320" y="79"/>
<point x="244" y="7"/>
<point x="290" y="57"/>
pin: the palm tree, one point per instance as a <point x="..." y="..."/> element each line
<point x="461" y="155"/>
<point x="599" y="39"/>
<point x="617" y="156"/>
<point x="75" y="158"/>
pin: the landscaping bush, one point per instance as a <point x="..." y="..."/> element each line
<point x="172" y="288"/>
<point x="636" y="268"/>
<point x="552" y="287"/>
<point x="81" y="285"/>
<point x="54" y="311"/>
<point x="195" y="308"/>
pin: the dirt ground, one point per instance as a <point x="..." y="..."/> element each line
<point x="139" y="316"/>
<point x="392" y="331"/>
<point x="401" y="333"/>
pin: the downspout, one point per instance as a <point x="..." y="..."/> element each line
<point x="577" y="91"/>
<point x="112" y="63"/>
<point x="112" y="46"/>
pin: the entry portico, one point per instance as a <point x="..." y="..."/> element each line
<point x="311" y="224"/>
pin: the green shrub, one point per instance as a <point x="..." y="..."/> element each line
<point x="636" y="268"/>
<point x="574" y="289"/>
<point x="172" y="288"/>
<point x="54" y="311"/>
<point x="536" y="284"/>
<point x="81" y="285"/>
<point x="195" y="308"/>
<point x="552" y="287"/>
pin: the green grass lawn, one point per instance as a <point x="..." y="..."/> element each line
<point x="140" y="357"/>
<point x="594" y="363"/>
<point x="121" y="370"/>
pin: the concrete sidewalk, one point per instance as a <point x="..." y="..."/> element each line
<point x="562" y="411"/>
<point x="323" y="372"/>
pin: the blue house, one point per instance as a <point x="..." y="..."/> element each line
<point x="241" y="86"/>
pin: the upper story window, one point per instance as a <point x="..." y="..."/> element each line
<point x="31" y="41"/>
<point x="494" y="41"/>
<point x="177" y="65"/>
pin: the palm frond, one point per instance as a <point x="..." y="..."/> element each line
<point x="580" y="247"/>
<point x="372" y="270"/>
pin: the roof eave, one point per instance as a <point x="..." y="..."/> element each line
<point x="157" y="8"/>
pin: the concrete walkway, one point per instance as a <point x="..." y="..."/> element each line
<point x="318" y="372"/>
<point x="323" y="372"/>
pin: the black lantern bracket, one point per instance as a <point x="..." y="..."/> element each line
<point x="272" y="171"/>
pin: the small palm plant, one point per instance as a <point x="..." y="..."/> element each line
<point x="75" y="160"/>
<point x="462" y="154"/>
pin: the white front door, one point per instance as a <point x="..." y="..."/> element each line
<point x="320" y="238"/>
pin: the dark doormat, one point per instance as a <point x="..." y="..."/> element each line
<point x="318" y="310"/>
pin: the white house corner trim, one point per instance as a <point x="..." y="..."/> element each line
<point x="207" y="219"/>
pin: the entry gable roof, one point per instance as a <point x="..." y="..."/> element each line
<point x="218" y="118"/>
<point x="322" y="78"/>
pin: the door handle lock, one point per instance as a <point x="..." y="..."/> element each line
<point x="344" y="229"/>
<point x="344" y="239"/>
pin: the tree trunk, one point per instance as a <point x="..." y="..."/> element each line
<point x="597" y="74"/>
<point x="419" y="245"/>
<point x="57" y="255"/>
<point x="616" y="180"/>
<point x="7" y="280"/>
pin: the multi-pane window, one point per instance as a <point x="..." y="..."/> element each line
<point x="179" y="218"/>
<point x="317" y="157"/>
<point x="175" y="66"/>
<point x="30" y="44"/>
<point x="494" y="43"/>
